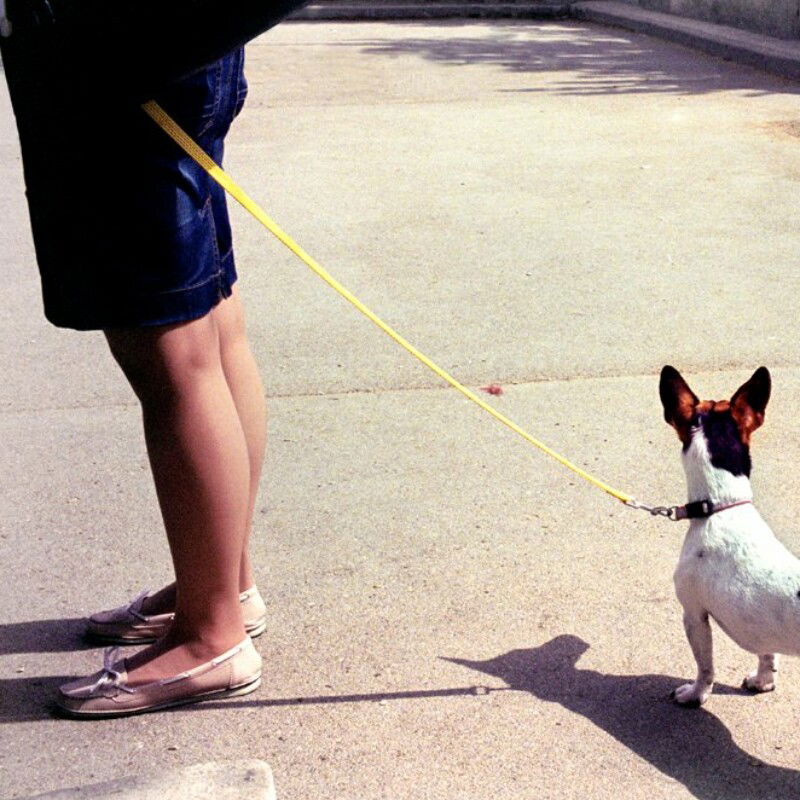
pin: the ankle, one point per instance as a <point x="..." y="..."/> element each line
<point x="160" y="602"/>
<point x="247" y="580"/>
<point x="204" y="645"/>
<point x="218" y="633"/>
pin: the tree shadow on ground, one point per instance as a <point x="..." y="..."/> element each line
<point x="601" y="60"/>
<point x="690" y="746"/>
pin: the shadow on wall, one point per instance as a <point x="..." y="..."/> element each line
<point x="604" y="61"/>
<point x="690" y="746"/>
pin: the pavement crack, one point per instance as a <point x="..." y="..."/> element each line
<point x="472" y="384"/>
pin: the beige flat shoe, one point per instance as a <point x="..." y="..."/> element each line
<point x="107" y="694"/>
<point x="128" y="625"/>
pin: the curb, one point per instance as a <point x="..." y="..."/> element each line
<point x="214" y="780"/>
<point x="764" y="52"/>
<point x="336" y="10"/>
<point x="778" y="56"/>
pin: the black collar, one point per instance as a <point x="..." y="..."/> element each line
<point x="702" y="509"/>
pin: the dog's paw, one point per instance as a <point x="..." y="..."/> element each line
<point x="758" y="684"/>
<point x="690" y="695"/>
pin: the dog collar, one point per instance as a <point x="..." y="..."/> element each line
<point x="702" y="509"/>
<point x="699" y="509"/>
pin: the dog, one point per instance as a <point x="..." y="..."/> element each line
<point x="731" y="567"/>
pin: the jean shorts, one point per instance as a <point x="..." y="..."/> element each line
<point x="129" y="231"/>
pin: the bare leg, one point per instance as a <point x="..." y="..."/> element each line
<point x="247" y="391"/>
<point x="201" y="467"/>
<point x="763" y="679"/>
<point x="698" y="631"/>
<point x="244" y="381"/>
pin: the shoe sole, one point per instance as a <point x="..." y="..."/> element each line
<point x="257" y="628"/>
<point x="99" y="638"/>
<point x="220" y="694"/>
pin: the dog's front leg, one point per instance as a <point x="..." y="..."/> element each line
<point x="763" y="679"/>
<point x="698" y="631"/>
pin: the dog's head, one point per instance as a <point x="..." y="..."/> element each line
<point x="726" y="425"/>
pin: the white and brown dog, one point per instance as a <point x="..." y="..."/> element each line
<point x="732" y="567"/>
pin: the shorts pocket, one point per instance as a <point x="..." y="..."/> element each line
<point x="152" y="260"/>
<point x="194" y="101"/>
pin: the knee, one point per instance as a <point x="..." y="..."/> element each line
<point x="229" y="319"/>
<point x="160" y="363"/>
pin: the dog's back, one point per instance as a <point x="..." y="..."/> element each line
<point x="734" y="567"/>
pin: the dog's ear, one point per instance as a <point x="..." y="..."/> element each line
<point x="679" y="401"/>
<point x="749" y="402"/>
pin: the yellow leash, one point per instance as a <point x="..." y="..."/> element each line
<point x="223" y="179"/>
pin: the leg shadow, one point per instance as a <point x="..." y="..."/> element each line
<point x="44" y="636"/>
<point x="29" y="699"/>
<point x="25" y="699"/>
<point x="693" y="747"/>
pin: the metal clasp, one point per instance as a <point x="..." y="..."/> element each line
<point x="670" y="512"/>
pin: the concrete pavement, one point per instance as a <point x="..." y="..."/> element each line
<point x="236" y="780"/>
<point x="560" y="208"/>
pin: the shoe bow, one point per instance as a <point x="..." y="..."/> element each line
<point x="108" y="683"/>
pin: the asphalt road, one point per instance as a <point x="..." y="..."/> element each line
<point x="558" y="208"/>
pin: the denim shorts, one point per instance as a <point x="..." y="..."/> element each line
<point x="128" y="230"/>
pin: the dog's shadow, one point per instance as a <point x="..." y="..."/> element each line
<point x="691" y="746"/>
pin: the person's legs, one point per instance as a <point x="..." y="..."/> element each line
<point x="247" y="391"/>
<point x="201" y="467"/>
<point x="244" y="382"/>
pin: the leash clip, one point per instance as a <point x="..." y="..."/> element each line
<point x="670" y="512"/>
